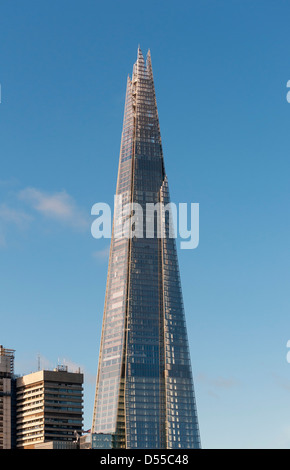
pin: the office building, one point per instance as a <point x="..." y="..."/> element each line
<point x="49" y="409"/>
<point x="7" y="398"/>
<point x="144" y="392"/>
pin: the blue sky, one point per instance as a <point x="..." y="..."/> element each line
<point x="220" y="70"/>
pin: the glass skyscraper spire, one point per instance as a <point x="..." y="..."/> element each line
<point x="144" y="392"/>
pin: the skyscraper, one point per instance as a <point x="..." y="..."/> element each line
<point x="144" y="392"/>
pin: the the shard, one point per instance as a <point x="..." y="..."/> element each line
<point x="144" y="392"/>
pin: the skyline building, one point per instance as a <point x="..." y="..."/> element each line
<point x="40" y="410"/>
<point x="144" y="391"/>
<point x="49" y="409"/>
<point x="7" y="398"/>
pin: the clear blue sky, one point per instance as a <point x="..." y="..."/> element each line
<point x="221" y="70"/>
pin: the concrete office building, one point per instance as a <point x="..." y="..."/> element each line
<point x="49" y="409"/>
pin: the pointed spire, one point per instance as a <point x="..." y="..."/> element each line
<point x="139" y="53"/>
<point x="139" y="68"/>
<point x="149" y="63"/>
<point x="140" y="58"/>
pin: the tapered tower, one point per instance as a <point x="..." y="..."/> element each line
<point x="144" y="392"/>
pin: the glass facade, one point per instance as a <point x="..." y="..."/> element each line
<point x="144" y="392"/>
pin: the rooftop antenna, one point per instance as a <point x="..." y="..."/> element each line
<point x="38" y="362"/>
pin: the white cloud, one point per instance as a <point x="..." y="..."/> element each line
<point x="10" y="217"/>
<point x="26" y="205"/>
<point x="59" y="206"/>
<point x="14" y="216"/>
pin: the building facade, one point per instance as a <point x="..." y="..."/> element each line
<point x="96" y="441"/>
<point x="7" y="399"/>
<point x="49" y="409"/>
<point x="144" y="392"/>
